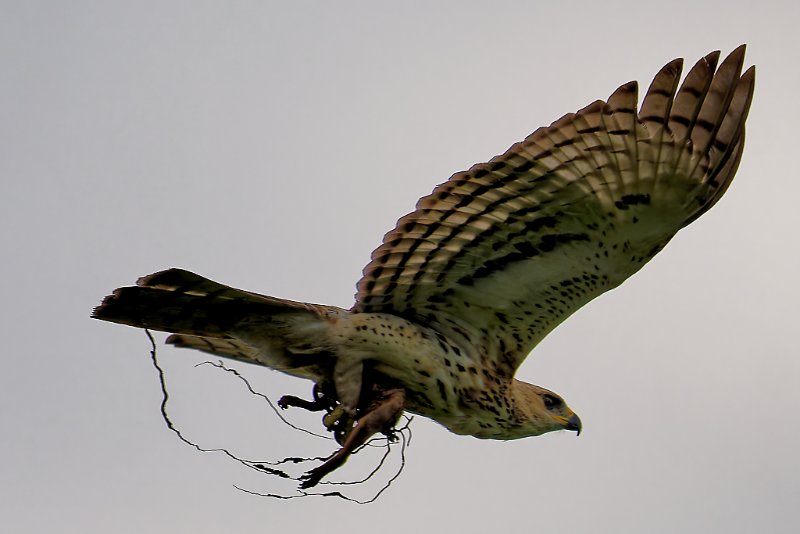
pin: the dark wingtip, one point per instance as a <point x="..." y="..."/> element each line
<point x="712" y="59"/>
<point x="673" y="67"/>
<point x="739" y="50"/>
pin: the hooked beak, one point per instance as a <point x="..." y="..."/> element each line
<point x="574" y="423"/>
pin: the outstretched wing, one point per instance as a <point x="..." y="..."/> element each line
<point x="501" y="254"/>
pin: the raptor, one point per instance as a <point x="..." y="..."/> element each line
<point x="467" y="284"/>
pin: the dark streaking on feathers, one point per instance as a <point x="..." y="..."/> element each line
<point x="572" y="211"/>
<point x="487" y="265"/>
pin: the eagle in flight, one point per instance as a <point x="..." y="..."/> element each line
<point x="466" y="285"/>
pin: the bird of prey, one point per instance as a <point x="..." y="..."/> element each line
<point x="467" y="284"/>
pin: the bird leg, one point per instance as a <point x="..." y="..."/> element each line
<point x="316" y="405"/>
<point x="322" y="401"/>
<point x="336" y="418"/>
<point x="381" y="416"/>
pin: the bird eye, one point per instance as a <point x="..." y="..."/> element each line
<point x="551" y="402"/>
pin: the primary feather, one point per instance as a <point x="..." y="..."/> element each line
<point x="504" y="252"/>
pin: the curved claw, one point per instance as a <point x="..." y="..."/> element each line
<point x="333" y="417"/>
<point x="312" y="478"/>
<point x="383" y="414"/>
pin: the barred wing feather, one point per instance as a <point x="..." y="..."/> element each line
<point x="499" y="255"/>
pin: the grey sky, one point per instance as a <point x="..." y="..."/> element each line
<point x="270" y="148"/>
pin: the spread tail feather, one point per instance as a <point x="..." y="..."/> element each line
<point x="182" y="302"/>
<point x="214" y="318"/>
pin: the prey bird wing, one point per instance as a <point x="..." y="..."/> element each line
<point x="499" y="255"/>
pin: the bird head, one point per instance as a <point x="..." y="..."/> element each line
<point x="539" y="411"/>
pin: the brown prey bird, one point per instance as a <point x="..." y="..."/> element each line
<point x="467" y="284"/>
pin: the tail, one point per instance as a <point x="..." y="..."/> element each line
<point x="205" y="315"/>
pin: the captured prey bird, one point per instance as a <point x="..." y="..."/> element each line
<point x="467" y="284"/>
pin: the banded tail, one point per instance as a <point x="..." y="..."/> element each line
<point x="214" y="318"/>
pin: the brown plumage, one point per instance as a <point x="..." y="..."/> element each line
<point x="487" y="265"/>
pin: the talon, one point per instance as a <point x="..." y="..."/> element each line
<point x="333" y="417"/>
<point x="312" y="406"/>
<point x="344" y="428"/>
<point x="382" y="415"/>
<point x="340" y="422"/>
<point x="311" y="479"/>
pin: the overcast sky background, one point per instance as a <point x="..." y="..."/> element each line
<point x="269" y="146"/>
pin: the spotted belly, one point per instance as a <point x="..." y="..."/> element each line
<point x="443" y="381"/>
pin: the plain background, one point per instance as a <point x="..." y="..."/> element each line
<point x="270" y="145"/>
